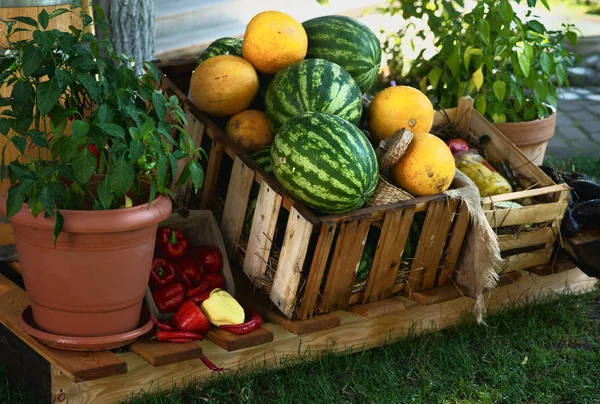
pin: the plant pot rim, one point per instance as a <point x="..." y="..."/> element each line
<point x="95" y="221"/>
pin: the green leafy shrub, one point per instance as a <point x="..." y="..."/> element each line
<point x="507" y="63"/>
<point x="124" y="130"/>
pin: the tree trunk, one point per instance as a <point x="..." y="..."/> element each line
<point x="131" y="28"/>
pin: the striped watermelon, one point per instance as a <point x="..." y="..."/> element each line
<point x="314" y="85"/>
<point x="222" y="46"/>
<point x="263" y="159"/>
<point x="347" y="42"/>
<point x="325" y="162"/>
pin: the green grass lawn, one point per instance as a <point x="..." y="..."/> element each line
<point x="535" y="353"/>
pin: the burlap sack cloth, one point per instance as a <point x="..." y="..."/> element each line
<point x="480" y="254"/>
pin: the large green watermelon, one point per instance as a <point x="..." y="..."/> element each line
<point x="325" y="162"/>
<point x="347" y="42"/>
<point x="314" y="85"/>
<point x="222" y="46"/>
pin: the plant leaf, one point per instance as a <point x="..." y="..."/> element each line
<point x="32" y="59"/>
<point x="483" y="29"/>
<point x="58" y="226"/>
<point x="158" y="102"/>
<point x="136" y="149"/>
<point x="120" y="176"/>
<point x="184" y="176"/>
<point x="48" y="93"/>
<point x="506" y="11"/>
<point x="477" y="78"/>
<point x="63" y="78"/>
<point x="43" y="18"/>
<point x="547" y="63"/>
<point x="91" y="86"/>
<point x="153" y="70"/>
<point x="536" y="26"/>
<point x="79" y="129"/>
<point x="573" y="37"/>
<point x="84" y="164"/>
<point x="26" y="20"/>
<point x="37" y="138"/>
<point x="561" y="74"/>
<point x="524" y="63"/>
<point x="434" y="76"/>
<point x="454" y="62"/>
<point x="162" y="173"/>
<point x="105" y="194"/>
<point x="499" y="89"/>
<point x="20" y="143"/>
<point x="47" y="200"/>
<point x="57" y="12"/>
<point x="499" y="118"/>
<point x="14" y="202"/>
<point x="76" y="4"/>
<point x="112" y="129"/>
<point x="197" y="175"/>
<point x="481" y="104"/>
<point x="4" y="126"/>
<point x="540" y="90"/>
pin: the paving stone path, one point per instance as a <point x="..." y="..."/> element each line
<point x="577" y="124"/>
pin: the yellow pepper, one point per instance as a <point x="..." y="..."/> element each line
<point x="222" y="308"/>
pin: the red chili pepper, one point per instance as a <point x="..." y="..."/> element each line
<point x="171" y="243"/>
<point x="190" y="318"/>
<point x="186" y="266"/>
<point x="456" y="145"/>
<point x="210" y="282"/>
<point x="201" y="297"/>
<point x="178" y="340"/>
<point x="161" y="326"/>
<point x="210" y="365"/>
<point x="169" y="298"/>
<point x="163" y="335"/>
<point x="162" y="274"/>
<point x="253" y="324"/>
<point x="209" y="258"/>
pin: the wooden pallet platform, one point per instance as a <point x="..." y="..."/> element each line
<point x="107" y="377"/>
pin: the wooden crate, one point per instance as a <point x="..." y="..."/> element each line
<point x="55" y="376"/>
<point x="307" y="263"/>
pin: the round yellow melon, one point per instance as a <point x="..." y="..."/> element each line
<point x="274" y="40"/>
<point x="223" y="85"/>
<point x="250" y="130"/>
<point x="399" y="107"/>
<point x="427" y="167"/>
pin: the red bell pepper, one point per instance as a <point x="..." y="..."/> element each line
<point x="209" y="258"/>
<point x="198" y="299"/>
<point x="171" y="243"/>
<point x="210" y="282"/>
<point x="169" y="298"/>
<point x="162" y="274"/>
<point x="190" y="318"/>
<point x="186" y="266"/>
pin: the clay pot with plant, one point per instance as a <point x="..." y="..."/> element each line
<point x="512" y="67"/>
<point x="85" y="217"/>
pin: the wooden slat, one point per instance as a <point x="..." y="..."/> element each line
<point x="431" y="243"/>
<point x="545" y="212"/>
<point x="316" y="271"/>
<point x="395" y="230"/>
<point x="488" y="201"/>
<point x="232" y="342"/>
<point x="463" y="114"/>
<point x="344" y="264"/>
<point x="527" y="238"/>
<point x="159" y="353"/>
<point x="527" y="260"/>
<point x="377" y="309"/>
<point x="261" y="234"/>
<point x="454" y="245"/>
<point x="451" y="292"/>
<point x="212" y="174"/>
<point x="79" y="366"/>
<point x="291" y="263"/>
<point x="236" y="204"/>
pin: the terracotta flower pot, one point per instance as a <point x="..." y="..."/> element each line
<point x="93" y="283"/>
<point x="531" y="136"/>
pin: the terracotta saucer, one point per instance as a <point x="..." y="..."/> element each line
<point x="84" y="343"/>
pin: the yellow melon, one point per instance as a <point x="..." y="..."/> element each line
<point x="427" y="167"/>
<point x="399" y="107"/>
<point x="223" y="85"/>
<point x="250" y="130"/>
<point x="274" y="40"/>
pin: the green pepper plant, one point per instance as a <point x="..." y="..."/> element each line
<point x="126" y="135"/>
<point x="510" y="64"/>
